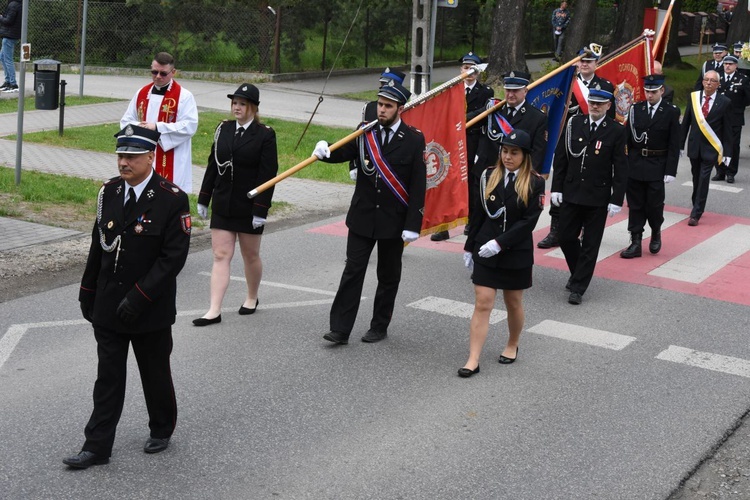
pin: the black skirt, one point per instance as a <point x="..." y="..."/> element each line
<point x="501" y="279"/>
<point x="234" y="224"/>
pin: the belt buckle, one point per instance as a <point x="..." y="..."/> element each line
<point x="644" y="152"/>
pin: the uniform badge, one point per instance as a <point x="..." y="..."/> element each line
<point x="541" y="201"/>
<point x="492" y="197"/>
<point x="186" y="223"/>
<point x="110" y="224"/>
<point x="138" y="229"/>
<point x="150" y="193"/>
<point x="597" y="146"/>
<point x="175" y="190"/>
<point x="118" y="190"/>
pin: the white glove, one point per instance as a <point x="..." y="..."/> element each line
<point x="613" y="210"/>
<point x="258" y="222"/>
<point x="668" y="179"/>
<point x="468" y="261"/>
<point x="202" y="211"/>
<point x="555" y="199"/>
<point x="353" y="174"/>
<point x="409" y="236"/>
<point x="321" y="150"/>
<point x="727" y="160"/>
<point x="489" y="249"/>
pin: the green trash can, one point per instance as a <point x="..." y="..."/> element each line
<point x="47" y="83"/>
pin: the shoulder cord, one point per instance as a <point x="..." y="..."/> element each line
<point x="494" y="136"/>
<point x="367" y="167"/>
<point x="568" y="133"/>
<point x="102" y="241"/>
<point x="643" y="138"/>
<point x="482" y="192"/>
<point x="222" y="166"/>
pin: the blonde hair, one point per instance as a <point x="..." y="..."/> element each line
<point x="523" y="177"/>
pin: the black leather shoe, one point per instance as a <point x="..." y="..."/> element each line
<point x="337" y="337"/>
<point x="503" y="360"/>
<point x="549" y="241"/>
<point x="466" y="230"/>
<point x="374" y="336"/>
<point x="85" y="459"/>
<point x="693" y="222"/>
<point x="155" y="445"/>
<point x="246" y="310"/>
<point x="718" y="177"/>
<point x="466" y="373"/>
<point x="206" y="322"/>
<point x="440" y="236"/>
<point x="575" y="298"/>
<point x="730" y="179"/>
<point x="655" y="245"/>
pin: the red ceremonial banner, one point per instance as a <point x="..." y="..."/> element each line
<point x="625" y="70"/>
<point x="442" y="120"/>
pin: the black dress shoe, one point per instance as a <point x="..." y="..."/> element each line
<point x="466" y="373"/>
<point x="575" y="298"/>
<point x="503" y="360"/>
<point x="206" y="322"/>
<point x="246" y="310"/>
<point x="466" y="230"/>
<point x="718" y="177"/>
<point x="374" y="336"/>
<point x="155" y="445"/>
<point x="85" y="459"/>
<point x="440" y="236"/>
<point x="693" y="222"/>
<point x="730" y="179"/>
<point x="337" y="337"/>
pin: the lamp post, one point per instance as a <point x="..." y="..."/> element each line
<point x="276" y="39"/>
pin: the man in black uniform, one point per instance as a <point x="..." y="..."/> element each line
<point x="587" y="78"/>
<point x="139" y="244"/>
<point x="477" y="96"/>
<point x="715" y="64"/>
<point x="653" y="152"/>
<point x="386" y="209"/>
<point x="706" y="150"/>
<point x="736" y="87"/>
<point x="591" y="163"/>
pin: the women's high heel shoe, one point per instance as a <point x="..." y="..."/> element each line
<point x="466" y="373"/>
<point x="246" y="310"/>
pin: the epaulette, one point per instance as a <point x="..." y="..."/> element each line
<point x="415" y="129"/>
<point x="112" y="180"/>
<point x="169" y="187"/>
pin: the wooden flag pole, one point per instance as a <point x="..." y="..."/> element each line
<point x="662" y="29"/>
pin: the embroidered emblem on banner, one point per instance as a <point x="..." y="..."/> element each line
<point x="437" y="160"/>
<point x="623" y="99"/>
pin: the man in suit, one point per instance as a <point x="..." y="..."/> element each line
<point x="139" y="245"/>
<point x="591" y="163"/>
<point x="715" y="64"/>
<point x="707" y="127"/>
<point x="586" y="79"/>
<point x="653" y="152"/>
<point x="477" y="96"/>
<point x="736" y="87"/>
<point x="386" y="209"/>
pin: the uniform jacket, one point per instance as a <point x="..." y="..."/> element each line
<point x="709" y="66"/>
<point x="720" y="120"/>
<point x="737" y="89"/>
<point x="255" y="161"/>
<point x="668" y="94"/>
<point x="476" y="103"/>
<point x="599" y="175"/>
<point x="375" y="212"/>
<point x="154" y="246"/>
<point x="604" y="84"/>
<point x="529" y="119"/>
<point x="10" y="21"/>
<point x="660" y="133"/>
<point x="512" y="232"/>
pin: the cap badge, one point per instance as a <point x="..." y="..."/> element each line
<point x="598" y="87"/>
<point x="129" y="131"/>
<point x="387" y="70"/>
<point x="512" y="74"/>
<point x="244" y="89"/>
<point x="512" y="136"/>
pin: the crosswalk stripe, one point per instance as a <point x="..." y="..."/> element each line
<point x="454" y="308"/>
<point x="707" y="257"/>
<point x="717" y="187"/>
<point x="576" y="333"/>
<point x="706" y="360"/>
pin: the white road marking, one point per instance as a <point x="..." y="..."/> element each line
<point x="576" y="333"/>
<point x="14" y="334"/>
<point x="706" y="258"/>
<point x="454" y="308"/>
<point x="706" y="360"/>
<point x="717" y="187"/>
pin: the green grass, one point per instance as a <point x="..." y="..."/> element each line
<point x="29" y="103"/>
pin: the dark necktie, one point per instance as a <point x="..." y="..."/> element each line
<point x="468" y="91"/>
<point x="593" y="127"/>
<point x="238" y="134"/>
<point x="706" y="102"/>
<point x="511" y="112"/>
<point x="130" y="204"/>
<point x="651" y="111"/>
<point x="386" y="133"/>
<point x="511" y="178"/>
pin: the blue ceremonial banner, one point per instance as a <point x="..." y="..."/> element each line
<point x="551" y="96"/>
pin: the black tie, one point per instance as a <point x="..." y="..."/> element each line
<point x="593" y="127"/>
<point x="651" y="111"/>
<point x="238" y="134"/>
<point x="511" y="112"/>
<point x="130" y="204"/>
<point x="386" y="131"/>
<point x="511" y="178"/>
<point x="468" y="91"/>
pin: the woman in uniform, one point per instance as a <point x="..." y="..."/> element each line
<point x="499" y="246"/>
<point x="243" y="156"/>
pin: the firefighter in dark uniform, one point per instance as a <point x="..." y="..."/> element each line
<point x="715" y="64"/>
<point x="653" y="152"/>
<point x="139" y="245"/>
<point x="386" y="209"/>
<point x="522" y="116"/>
<point x="477" y="95"/>
<point x="587" y="77"/>
<point x="736" y="87"/>
<point x="591" y="171"/>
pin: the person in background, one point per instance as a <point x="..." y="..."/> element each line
<point x="499" y="247"/>
<point x="735" y="86"/>
<point x="243" y="156"/>
<point x="10" y="32"/>
<point x="560" y="21"/>
<point x="715" y="64"/>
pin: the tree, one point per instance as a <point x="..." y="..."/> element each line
<point x="508" y="42"/>
<point x="739" y="28"/>
<point x="579" y="30"/>
<point x="629" y="22"/>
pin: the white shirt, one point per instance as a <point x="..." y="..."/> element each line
<point x="137" y="188"/>
<point x="393" y="127"/>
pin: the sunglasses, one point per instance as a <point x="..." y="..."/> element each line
<point x="160" y="73"/>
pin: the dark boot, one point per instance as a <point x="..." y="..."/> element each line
<point x="440" y="236"/>
<point x="551" y="240"/>
<point x="655" y="244"/>
<point x="634" y="250"/>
